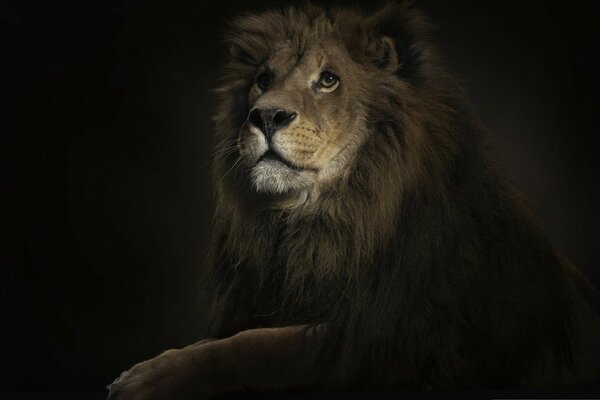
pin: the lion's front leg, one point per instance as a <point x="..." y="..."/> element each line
<point x="175" y="374"/>
<point x="258" y="360"/>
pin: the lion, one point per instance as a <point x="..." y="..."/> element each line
<point x="365" y="237"/>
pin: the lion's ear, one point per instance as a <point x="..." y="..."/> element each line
<point x="401" y="35"/>
<point x="397" y="56"/>
<point x="387" y="54"/>
<point x="247" y="50"/>
<point x="238" y="53"/>
<point x="248" y="43"/>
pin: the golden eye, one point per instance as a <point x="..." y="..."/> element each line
<point x="263" y="81"/>
<point x="328" y="81"/>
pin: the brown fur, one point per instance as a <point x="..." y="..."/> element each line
<point x="414" y="257"/>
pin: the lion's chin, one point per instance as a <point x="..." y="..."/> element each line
<point x="273" y="176"/>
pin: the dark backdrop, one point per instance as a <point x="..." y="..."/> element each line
<point x="106" y="140"/>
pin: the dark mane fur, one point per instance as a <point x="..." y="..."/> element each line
<point x="423" y="248"/>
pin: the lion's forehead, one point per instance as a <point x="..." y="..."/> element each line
<point x="285" y="58"/>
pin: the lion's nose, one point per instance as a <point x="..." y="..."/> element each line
<point x="268" y="121"/>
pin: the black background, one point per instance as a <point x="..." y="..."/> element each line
<point x="105" y="148"/>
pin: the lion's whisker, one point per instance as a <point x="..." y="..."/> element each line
<point x="234" y="165"/>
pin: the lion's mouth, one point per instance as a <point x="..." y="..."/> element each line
<point x="271" y="156"/>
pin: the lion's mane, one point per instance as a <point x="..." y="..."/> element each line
<point x="422" y="257"/>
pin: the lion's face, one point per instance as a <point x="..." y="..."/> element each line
<point x="308" y="95"/>
<point x="304" y="121"/>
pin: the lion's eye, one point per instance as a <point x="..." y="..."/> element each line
<point x="263" y="81"/>
<point x="328" y="81"/>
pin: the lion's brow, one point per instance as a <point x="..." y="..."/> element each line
<point x="299" y="57"/>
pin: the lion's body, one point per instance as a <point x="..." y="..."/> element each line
<point x="428" y="262"/>
<point x="395" y="232"/>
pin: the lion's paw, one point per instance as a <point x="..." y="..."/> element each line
<point x="167" y="376"/>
